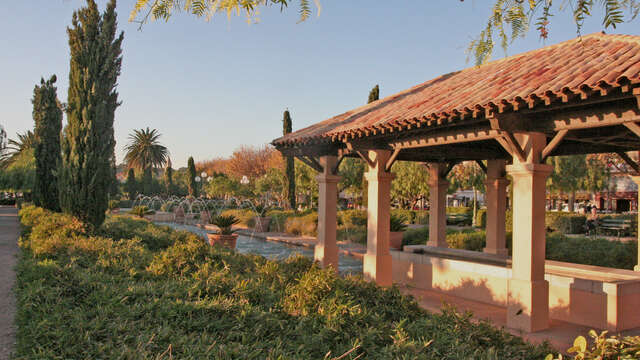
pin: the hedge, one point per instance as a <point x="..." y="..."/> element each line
<point x="559" y="247"/>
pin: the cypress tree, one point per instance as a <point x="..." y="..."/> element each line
<point x="168" y="177"/>
<point x="130" y="185"/>
<point x="291" y="170"/>
<point x="374" y="94"/>
<point x="191" y="181"/>
<point x="88" y="144"/>
<point x="48" y="125"/>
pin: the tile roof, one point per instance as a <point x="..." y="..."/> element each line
<point x="578" y="66"/>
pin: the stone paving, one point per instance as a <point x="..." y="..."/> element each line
<point x="9" y="232"/>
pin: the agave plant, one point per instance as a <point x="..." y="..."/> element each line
<point x="225" y="223"/>
<point x="398" y="223"/>
<point x="141" y="211"/>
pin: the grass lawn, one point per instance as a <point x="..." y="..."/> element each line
<point x="134" y="290"/>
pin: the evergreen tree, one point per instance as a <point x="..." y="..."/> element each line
<point x="168" y="177"/>
<point x="291" y="169"/>
<point x="374" y="94"/>
<point x="88" y="143"/>
<point x="130" y="186"/>
<point x="191" y="181"/>
<point x="48" y="125"/>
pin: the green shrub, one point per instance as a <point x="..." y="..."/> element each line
<point x="588" y="251"/>
<point x="481" y="218"/>
<point x="398" y="223"/>
<point x="633" y="231"/>
<point x="475" y="241"/>
<point x="409" y="215"/>
<point x="302" y="225"/>
<point x="459" y="210"/>
<point x="422" y="217"/>
<point x="352" y="218"/>
<point x="355" y="234"/>
<point x="603" y="347"/>
<point x="565" y="222"/>
<point x="125" y="204"/>
<point x="141" y="211"/>
<point x="245" y="216"/>
<point x="278" y="219"/>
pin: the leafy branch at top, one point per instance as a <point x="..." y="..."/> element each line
<point x="511" y="19"/>
<point x="144" y="10"/>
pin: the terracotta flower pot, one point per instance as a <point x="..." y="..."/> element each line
<point x="224" y="240"/>
<point x="395" y="240"/>
<point x="262" y="224"/>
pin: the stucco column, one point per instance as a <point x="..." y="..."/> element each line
<point x="528" y="302"/>
<point x="636" y="179"/>
<point x="438" y="185"/>
<point x="326" y="249"/>
<point x="377" y="260"/>
<point x="496" y="200"/>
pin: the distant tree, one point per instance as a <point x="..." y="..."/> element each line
<point x="20" y="174"/>
<point x="291" y="169"/>
<point x="597" y="174"/>
<point x="411" y="183"/>
<point x="306" y="182"/>
<point x="168" y="177"/>
<point x="273" y="185"/>
<point x="249" y="161"/>
<point x="374" y="94"/>
<point x="351" y="171"/>
<point x="3" y="143"/>
<point x="191" y="184"/>
<point x="146" y="153"/>
<point x="568" y="175"/>
<point x="88" y="143"/>
<point x="131" y="187"/>
<point x="468" y="175"/>
<point x="23" y="143"/>
<point x="47" y="116"/>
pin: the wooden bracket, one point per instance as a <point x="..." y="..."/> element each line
<point x="636" y="93"/>
<point x="634" y="165"/>
<point x="509" y="143"/>
<point x="482" y="166"/>
<point x="334" y="171"/>
<point x="392" y="159"/>
<point x="450" y="166"/>
<point x="311" y="162"/>
<point x="634" y="127"/>
<point x="553" y="144"/>
<point x="366" y="158"/>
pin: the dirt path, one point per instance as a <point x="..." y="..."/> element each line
<point x="9" y="231"/>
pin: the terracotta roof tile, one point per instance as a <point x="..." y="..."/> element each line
<point x="587" y="63"/>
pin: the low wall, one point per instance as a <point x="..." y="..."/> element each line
<point x="598" y="297"/>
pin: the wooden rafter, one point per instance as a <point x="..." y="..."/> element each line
<point x="553" y="144"/>
<point x="634" y="165"/>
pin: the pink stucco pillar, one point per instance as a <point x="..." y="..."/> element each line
<point x="496" y="200"/>
<point x="636" y="179"/>
<point x="377" y="260"/>
<point x="528" y="301"/>
<point x="438" y="185"/>
<point x="326" y="249"/>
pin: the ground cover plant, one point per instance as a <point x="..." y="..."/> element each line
<point x="136" y="290"/>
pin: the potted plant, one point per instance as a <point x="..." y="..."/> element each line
<point x="397" y="228"/>
<point x="261" y="221"/>
<point x="226" y="236"/>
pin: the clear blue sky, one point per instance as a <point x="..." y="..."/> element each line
<point x="209" y="87"/>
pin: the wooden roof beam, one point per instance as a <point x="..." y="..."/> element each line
<point x="392" y="159"/>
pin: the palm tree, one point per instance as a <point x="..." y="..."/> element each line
<point x="145" y="152"/>
<point x="16" y="147"/>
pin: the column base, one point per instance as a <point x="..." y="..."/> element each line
<point x="500" y="252"/>
<point x="326" y="257"/>
<point x="528" y="305"/>
<point x="377" y="268"/>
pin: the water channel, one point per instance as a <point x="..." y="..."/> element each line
<point x="273" y="250"/>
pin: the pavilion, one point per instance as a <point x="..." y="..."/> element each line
<point x="576" y="97"/>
